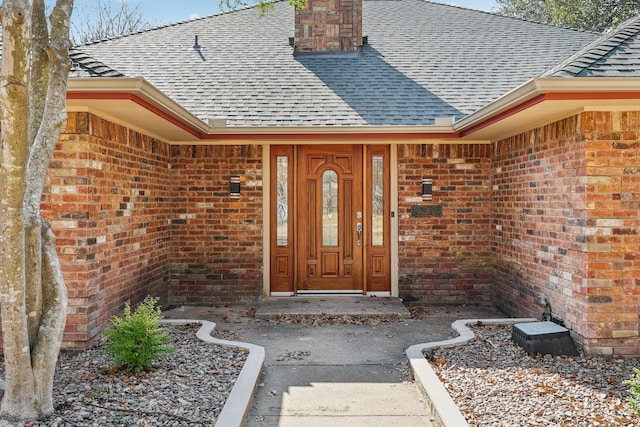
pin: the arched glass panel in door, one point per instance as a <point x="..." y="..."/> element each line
<point x="330" y="208"/>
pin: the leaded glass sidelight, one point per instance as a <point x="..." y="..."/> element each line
<point x="377" y="201"/>
<point x="330" y="208"/>
<point x="282" y="192"/>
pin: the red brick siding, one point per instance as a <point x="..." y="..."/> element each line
<point x="134" y="217"/>
<point x="445" y="259"/>
<point x="217" y="243"/>
<point x="612" y="291"/>
<point x="565" y="216"/>
<point x="538" y="219"/>
<point x="553" y="210"/>
<point x="107" y="200"/>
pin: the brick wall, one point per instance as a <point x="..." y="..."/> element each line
<point x="135" y="217"/>
<point x="106" y="199"/>
<point x="612" y="290"/>
<point x="565" y="224"/>
<point x="553" y="210"/>
<point x="447" y="258"/>
<point x="538" y="219"/>
<point x="216" y="252"/>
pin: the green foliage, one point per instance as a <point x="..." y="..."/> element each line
<point x="592" y="15"/>
<point x="263" y="6"/>
<point x="634" y="391"/>
<point x="136" y="339"/>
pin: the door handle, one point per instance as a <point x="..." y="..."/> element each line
<point x="359" y="231"/>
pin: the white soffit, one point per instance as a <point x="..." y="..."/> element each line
<point x="137" y="104"/>
<point x="545" y="100"/>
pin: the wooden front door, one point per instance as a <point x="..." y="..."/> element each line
<point x="330" y="219"/>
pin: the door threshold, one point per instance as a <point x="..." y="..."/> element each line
<point x="327" y="292"/>
<point x="386" y="294"/>
<point x="368" y="294"/>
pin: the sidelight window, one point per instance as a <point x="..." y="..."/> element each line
<point x="282" y="196"/>
<point x="377" y="201"/>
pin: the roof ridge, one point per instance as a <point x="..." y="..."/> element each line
<point x="228" y="12"/>
<point x="598" y="49"/>
<point x="168" y="25"/>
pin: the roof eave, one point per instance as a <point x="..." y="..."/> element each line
<point x="138" y="91"/>
<point x="335" y="134"/>
<point x="125" y="100"/>
<point x="137" y="103"/>
<point x="577" y="93"/>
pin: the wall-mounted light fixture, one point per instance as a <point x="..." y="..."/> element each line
<point x="234" y="187"/>
<point x="427" y="189"/>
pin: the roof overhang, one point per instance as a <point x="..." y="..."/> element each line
<point x="545" y="100"/>
<point x="135" y="103"/>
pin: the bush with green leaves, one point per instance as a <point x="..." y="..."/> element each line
<point x="136" y="340"/>
<point x="634" y="391"/>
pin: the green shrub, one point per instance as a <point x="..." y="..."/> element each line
<point x="634" y="391"/>
<point x="135" y="340"/>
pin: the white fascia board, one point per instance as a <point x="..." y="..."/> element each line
<point x="143" y="89"/>
<point x="332" y="130"/>
<point x="543" y="85"/>
<point x="511" y="99"/>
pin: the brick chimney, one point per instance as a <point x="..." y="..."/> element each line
<point x="329" y="26"/>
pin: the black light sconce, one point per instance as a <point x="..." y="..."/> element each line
<point x="427" y="189"/>
<point x="234" y="187"/>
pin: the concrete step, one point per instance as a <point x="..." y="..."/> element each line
<point x="360" y="307"/>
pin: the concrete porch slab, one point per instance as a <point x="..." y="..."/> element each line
<point x="273" y="308"/>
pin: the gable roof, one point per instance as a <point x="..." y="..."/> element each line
<point x="615" y="54"/>
<point x="423" y="60"/>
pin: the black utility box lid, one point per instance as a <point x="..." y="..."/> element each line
<point x="544" y="338"/>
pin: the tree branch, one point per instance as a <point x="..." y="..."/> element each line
<point x="54" y="317"/>
<point x="54" y="112"/>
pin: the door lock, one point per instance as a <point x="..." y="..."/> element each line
<point x="359" y="230"/>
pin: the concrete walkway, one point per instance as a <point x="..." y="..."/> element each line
<point x="334" y="374"/>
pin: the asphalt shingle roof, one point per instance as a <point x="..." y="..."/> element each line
<point x="423" y="60"/>
<point x="83" y="65"/>
<point x="615" y="54"/>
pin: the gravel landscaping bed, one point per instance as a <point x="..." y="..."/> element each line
<point x="186" y="388"/>
<point x="495" y="383"/>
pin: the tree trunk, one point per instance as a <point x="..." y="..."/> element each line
<point x="19" y="396"/>
<point x="33" y="298"/>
